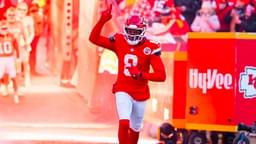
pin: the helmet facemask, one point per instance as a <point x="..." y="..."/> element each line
<point x="134" y="30"/>
<point x="3" y="27"/>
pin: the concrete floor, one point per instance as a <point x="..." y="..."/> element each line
<point x="50" y="114"/>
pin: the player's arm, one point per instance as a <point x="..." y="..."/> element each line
<point x="29" y="31"/>
<point x="16" y="48"/>
<point x="95" y="35"/>
<point x="22" y="36"/>
<point x="158" y="73"/>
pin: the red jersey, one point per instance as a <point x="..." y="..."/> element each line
<point x="138" y="55"/>
<point x="143" y="56"/>
<point x="8" y="45"/>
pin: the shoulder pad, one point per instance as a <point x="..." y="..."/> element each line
<point x="156" y="51"/>
<point x="112" y="38"/>
<point x="154" y="42"/>
<point x="156" y="47"/>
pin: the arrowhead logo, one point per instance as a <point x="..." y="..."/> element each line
<point x="247" y="82"/>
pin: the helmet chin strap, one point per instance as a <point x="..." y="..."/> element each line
<point x="135" y="42"/>
<point x="130" y="42"/>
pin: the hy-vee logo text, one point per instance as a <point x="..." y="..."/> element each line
<point x="209" y="80"/>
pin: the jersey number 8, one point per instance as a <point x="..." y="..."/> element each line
<point x="129" y="61"/>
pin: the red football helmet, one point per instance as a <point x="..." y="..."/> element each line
<point x="135" y="27"/>
<point x="3" y="27"/>
<point x="11" y="14"/>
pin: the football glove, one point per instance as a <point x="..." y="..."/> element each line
<point x="135" y="72"/>
<point x="106" y="14"/>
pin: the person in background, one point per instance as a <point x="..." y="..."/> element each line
<point x="249" y="21"/>
<point x="4" y="5"/>
<point x="9" y="52"/>
<point x="188" y="8"/>
<point x="38" y="27"/>
<point x="237" y="15"/>
<point x="223" y="9"/>
<point x="206" y="19"/>
<point x="15" y="28"/>
<point x="29" y="33"/>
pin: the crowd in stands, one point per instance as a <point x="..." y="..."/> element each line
<point x="181" y="16"/>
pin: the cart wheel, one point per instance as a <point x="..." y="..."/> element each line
<point x="228" y="137"/>
<point x="197" y="138"/>
<point x="214" y="137"/>
<point x="241" y="138"/>
<point x="184" y="136"/>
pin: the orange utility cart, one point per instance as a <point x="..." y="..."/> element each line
<point x="214" y="85"/>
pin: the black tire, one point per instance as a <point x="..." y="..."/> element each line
<point x="228" y="137"/>
<point x="241" y="139"/>
<point x="184" y="135"/>
<point x="197" y="138"/>
<point x="214" y="137"/>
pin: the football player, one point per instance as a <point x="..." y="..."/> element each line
<point x="29" y="33"/>
<point x="136" y="54"/>
<point x="15" y="27"/>
<point x="8" y="49"/>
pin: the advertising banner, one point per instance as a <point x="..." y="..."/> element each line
<point x="210" y="83"/>
<point x="246" y="78"/>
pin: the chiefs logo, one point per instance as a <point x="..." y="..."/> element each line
<point x="147" y="50"/>
<point x="247" y="82"/>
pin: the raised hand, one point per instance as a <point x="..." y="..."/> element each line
<point x="106" y="14"/>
